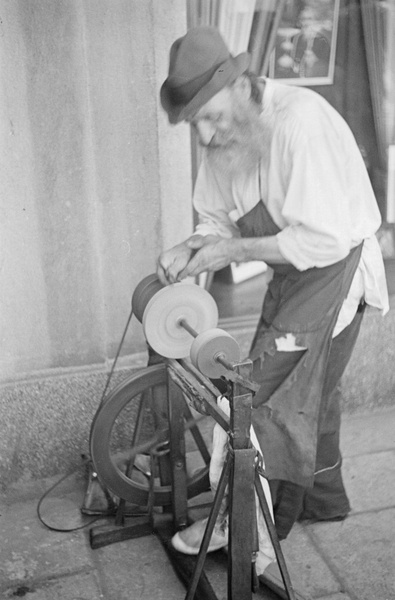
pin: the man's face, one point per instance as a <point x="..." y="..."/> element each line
<point x="230" y="129"/>
<point x="214" y="123"/>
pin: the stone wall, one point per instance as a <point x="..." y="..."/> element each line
<point x="94" y="181"/>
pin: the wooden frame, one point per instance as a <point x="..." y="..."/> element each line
<point x="305" y="47"/>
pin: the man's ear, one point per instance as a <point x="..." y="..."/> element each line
<point x="242" y="87"/>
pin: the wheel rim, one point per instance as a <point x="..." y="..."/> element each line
<point x="112" y="421"/>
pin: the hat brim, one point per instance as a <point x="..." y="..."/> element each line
<point x="225" y="74"/>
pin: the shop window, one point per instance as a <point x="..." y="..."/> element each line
<point x="378" y="17"/>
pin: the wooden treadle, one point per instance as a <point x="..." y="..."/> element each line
<point x="103" y="535"/>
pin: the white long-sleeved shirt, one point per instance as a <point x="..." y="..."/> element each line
<point x="315" y="186"/>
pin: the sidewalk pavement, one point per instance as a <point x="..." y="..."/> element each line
<point x="349" y="560"/>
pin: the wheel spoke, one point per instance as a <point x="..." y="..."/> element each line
<point x="132" y="423"/>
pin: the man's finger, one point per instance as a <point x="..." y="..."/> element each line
<point x="192" y="269"/>
<point x="161" y="273"/>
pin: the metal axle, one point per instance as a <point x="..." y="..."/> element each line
<point x="220" y="357"/>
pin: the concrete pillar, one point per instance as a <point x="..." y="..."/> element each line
<point x="95" y="182"/>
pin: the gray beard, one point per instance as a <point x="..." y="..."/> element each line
<point x="244" y="152"/>
<point x="234" y="159"/>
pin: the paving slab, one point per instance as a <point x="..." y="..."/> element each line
<point x="81" y="586"/>
<point x="370" y="481"/>
<point x="137" y="569"/>
<point x="367" y="433"/>
<point x="308" y="571"/>
<point x="28" y="550"/>
<point x="360" y="552"/>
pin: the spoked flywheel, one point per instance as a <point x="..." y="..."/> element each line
<point x="131" y="427"/>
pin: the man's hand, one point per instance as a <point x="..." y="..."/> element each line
<point x="196" y="255"/>
<point x="211" y="253"/>
<point x="172" y="262"/>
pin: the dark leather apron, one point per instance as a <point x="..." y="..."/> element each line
<point x="305" y="304"/>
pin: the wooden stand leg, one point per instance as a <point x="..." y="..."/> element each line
<point x="242" y="497"/>
<point x="224" y="479"/>
<point x="290" y="594"/>
<point x="244" y="482"/>
<point x="176" y="406"/>
<point x="241" y="524"/>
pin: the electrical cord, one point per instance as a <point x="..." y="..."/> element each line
<point x="86" y="460"/>
<point x="55" y="485"/>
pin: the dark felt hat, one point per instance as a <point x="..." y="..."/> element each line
<point x="200" y="66"/>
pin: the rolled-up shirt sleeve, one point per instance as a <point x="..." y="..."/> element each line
<point x="316" y="208"/>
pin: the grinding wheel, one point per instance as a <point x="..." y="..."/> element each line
<point x="143" y="293"/>
<point x="169" y="306"/>
<point x="208" y="346"/>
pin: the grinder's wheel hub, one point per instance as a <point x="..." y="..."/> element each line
<point x="167" y="308"/>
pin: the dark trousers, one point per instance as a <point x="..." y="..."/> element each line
<point x="327" y="499"/>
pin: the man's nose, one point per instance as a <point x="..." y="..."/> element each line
<point x="205" y="131"/>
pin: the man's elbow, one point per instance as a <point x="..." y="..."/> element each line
<point x="335" y="249"/>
